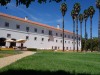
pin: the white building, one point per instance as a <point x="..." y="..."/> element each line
<point x="38" y="35"/>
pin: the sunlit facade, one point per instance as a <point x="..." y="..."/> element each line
<point x="37" y="35"/>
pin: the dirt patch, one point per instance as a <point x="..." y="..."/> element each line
<point x="5" y="55"/>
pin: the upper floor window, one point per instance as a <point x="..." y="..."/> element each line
<point x="65" y="35"/>
<point x="72" y="37"/>
<point x="48" y="40"/>
<point x="18" y="26"/>
<point x="56" y="40"/>
<point x="56" y="34"/>
<point x="61" y="41"/>
<point x="50" y="32"/>
<point x="6" y="24"/>
<point x="75" y="37"/>
<point x="68" y="36"/>
<point x="35" y="38"/>
<point x="27" y="29"/>
<point x="79" y="38"/>
<point x="42" y="39"/>
<point x="27" y="37"/>
<point x="61" y="35"/>
<point x="35" y="29"/>
<point x="42" y="31"/>
<point x="9" y="35"/>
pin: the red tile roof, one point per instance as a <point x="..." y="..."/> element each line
<point x="31" y="22"/>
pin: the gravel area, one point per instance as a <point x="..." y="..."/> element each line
<point x="10" y="59"/>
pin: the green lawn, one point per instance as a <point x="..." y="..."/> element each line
<point x="55" y="63"/>
<point x="4" y="53"/>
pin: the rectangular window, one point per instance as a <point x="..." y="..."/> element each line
<point x="35" y="38"/>
<point x="65" y="36"/>
<point x="72" y="37"/>
<point x="68" y="36"/>
<point x="42" y="39"/>
<point x="65" y="41"/>
<point x="79" y="43"/>
<point x="50" y="32"/>
<point x="48" y="40"/>
<point x="61" y="41"/>
<point x="35" y="29"/>
<point x="18" y="26"/>
<point x="42" y="31"/>
<point x="56" y="40"/>
<point x="61" y="35"/>
<point x="27" y="37"/>
<point x="67" y="48"/>
<point x="79" y="38"/>
<point x="56" y="34"/>
<point x="52" y="47"/>
<point x="75" y="37"/>
<point x="27" y="29"/>
<point x="6" y="24"/>
<point x="9" y="35"/>
<point x="69" y="42"/>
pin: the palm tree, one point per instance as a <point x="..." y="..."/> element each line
<point x="63" y="9"/>
<point x="86" y="15"/>
<point x="81" y="20"/>
<point x="73" y="17"/>
<point x="91" y="11"/>
<point x="77" y="10"/>
<point x="98" y="6"/>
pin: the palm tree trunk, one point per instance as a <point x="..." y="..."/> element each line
<point x="77" y="31"/>
<point x="99" y="32"/>
<point x="81" y="34"/>
<point x="91" y="32"/>
<point x="85" y="35"/>
<point x="73" y="35"/>
<point x="63" y="33"/>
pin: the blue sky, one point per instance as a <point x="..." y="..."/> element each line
<point x="49" y="13"/>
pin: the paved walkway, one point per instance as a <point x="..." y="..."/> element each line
<point x="10" y="59"/>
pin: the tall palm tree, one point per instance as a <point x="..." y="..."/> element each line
<point x="86" y="15"/>
<point x="91" y="11"/>
<point x="77" y="8"/>
<point x="81" y="20"/>
<point x="73" y="17"/>
<point x="63" y="9"/>
<point x="98" y="6"/>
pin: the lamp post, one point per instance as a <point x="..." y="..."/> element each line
<point x="63" y="9"/>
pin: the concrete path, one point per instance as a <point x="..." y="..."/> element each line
<point x="10" y="59"/>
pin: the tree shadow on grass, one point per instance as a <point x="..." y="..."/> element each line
<point x="34" y="72"/>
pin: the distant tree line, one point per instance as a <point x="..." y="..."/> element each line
<point x="88" y="44"/>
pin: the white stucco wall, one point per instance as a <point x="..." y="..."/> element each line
<point x="31" y="43"/>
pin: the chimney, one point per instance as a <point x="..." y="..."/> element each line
<point x="58" y="26"/>
<point x="26" y="18"/>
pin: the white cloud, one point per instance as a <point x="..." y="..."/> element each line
<point x="59" y="20"/>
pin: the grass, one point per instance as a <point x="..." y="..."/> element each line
<point x="4" y="53"/>
<point x="56" y="63"/>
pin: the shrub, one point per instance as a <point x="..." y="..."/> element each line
<point x="32" y="49"/>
